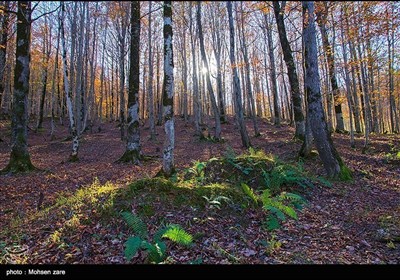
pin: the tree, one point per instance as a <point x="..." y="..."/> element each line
<point x="196" y="97"/>
<point x="168" y="93"/>
<point x="329" y="53"/>
<point x="236" y="83"/>
<point x="249" y="91"/>
<point x="20" y="160"/>
<point x="208" y="79"/>
<point x="277" y="118"/>
<point x="132" y="153"/>
<point x="292" y="73"/>
<point x="333" y="164"/>
<point x="68" y="90"/>
<point x="46" y="58"/>
<point x="150" y="81"/>
<point x="4" y="18"/>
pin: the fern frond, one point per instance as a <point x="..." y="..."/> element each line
<point x="132" y="245"/>
<point x="272" y="222"/>
<point x="249" y="192"/>
<point x="136" y="224"/>
<point x="156" y="251"/>
<point x="275" y="211"/>
<point x="291" y="196"/>
<point x="178" y="235"/>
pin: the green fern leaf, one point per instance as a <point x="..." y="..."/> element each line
<point x="249" y="192"/>
<point x="272" y="223"/>
<point x="291" y="197"/>
<point x="156" y="252"/>
<point x="132" y="245"/>
<point x="136" y="224"/>
<point x="279" y="214"/>
<point x="178" y="235"/>
<point x="288" y="211"/>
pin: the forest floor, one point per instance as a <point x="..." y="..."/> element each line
<point x="350" y="222"/>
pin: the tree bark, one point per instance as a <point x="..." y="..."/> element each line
<point x="329" y="53"/>
<point x="195" y="84"/>
<point x="133" y="152"/>
<point x="292" y="73"/>
<point x="247" y="74"/>
<point x="68" y="91"/>
<point x="4" y="19"/>
<point x="236" y="82"/>
<point x="19" y="158"/>
<point x="150" y="81"/>
<point x="168" y="93"/>
<point x="277" y="118"/>
<point x="208" y="79"/>
<point x="332" y="162"/>
<point x="46" y="58"/>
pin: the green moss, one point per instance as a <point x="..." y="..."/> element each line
<point x="345" y="173"/>
<point x="159" y="184"/>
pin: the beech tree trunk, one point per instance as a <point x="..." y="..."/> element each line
<point x="332" y="162"/>
<point x="208" y="79"/>
<point x="4" y="19"/>
<point x="20" y="160"/>
<point x="236" y="83"/>
<point x="168" y="93"/>
<point x="133" y="152"/>
<point x="292" y="73"/>
<point x="68" y="91"/>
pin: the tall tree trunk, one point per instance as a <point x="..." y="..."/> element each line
<point x="133" y="153"/>
<point x="217" y="46"/>
<point x="159" y="92"/>
<point x="68" y="91"/>
<point x="19" y="158"/>
<point x="208" y="79"/>
<point x="150" y="81"/>
<point x="347" y="83"/>
<point x="292" y="73"/>
<point x="277" y="118"/>
<point x="247" y="73"/>
<point x="79" y="96"/>
<point x="392" y="103"/>
<point x="121" y="41"/>
<point x="196" y="98"/>
<point x="332" y="162"/>
<point x="168" y="93"/>
<point x="236" y="82"/>
<point x="53" y="86"/>
<point x="4" y="19"/>
<point x="329" y="53"/>
<point x="46" y="58"/>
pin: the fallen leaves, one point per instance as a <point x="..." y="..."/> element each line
<point x="337" y="226"/>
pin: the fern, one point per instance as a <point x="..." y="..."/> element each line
<point x="250" y="193"/>
<point x="136" y="224"/>
<point x="156" y="252"/>
<point x="178" y="235"/>
<point x="132" y="246"/>
<point x="277" y="208"/>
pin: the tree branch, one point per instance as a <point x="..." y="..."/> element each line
<point x="45" y="14"/>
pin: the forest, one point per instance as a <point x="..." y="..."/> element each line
<point x="199" y="132"/>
